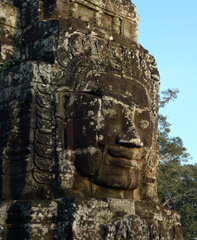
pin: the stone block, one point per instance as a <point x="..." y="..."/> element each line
<point x="9" y="15"/>
<point x="83" y="219"/>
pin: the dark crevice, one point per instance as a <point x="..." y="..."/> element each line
<point x="19" y="221"/>
<point x="117" y="226"/>
<point x="64" y="219"/>
<point x="48" y="7"/>
<point x="105" y="232"/>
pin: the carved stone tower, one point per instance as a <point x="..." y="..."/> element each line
<point x="78" y="124"/>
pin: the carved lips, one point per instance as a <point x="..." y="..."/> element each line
<point x="124" y="157"/>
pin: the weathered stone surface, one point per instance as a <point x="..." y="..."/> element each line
<point x="87" y="218"/>
<point x="78" y="124"/>
<point x="10" y="31"/>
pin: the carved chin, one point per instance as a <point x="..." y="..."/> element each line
<point x="129" y="180"/>
<point x="90" y="163"/>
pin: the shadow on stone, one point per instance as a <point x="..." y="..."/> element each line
<point x="64" y="219"/>
<point x="19" y="220"/>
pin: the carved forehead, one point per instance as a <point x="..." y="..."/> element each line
<point x="125" y="90"/>
<point x="82" y="101"/>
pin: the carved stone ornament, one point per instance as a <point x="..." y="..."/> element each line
<point x="78" y="124"/>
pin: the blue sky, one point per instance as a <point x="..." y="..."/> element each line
<point x="168" y="29"/>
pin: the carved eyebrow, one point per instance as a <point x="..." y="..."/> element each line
<point x="114" y="100"/>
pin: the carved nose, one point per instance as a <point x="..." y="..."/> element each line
<point x="129" y="138"/>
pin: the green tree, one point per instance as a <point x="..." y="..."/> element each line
<point x="177" y="182"/>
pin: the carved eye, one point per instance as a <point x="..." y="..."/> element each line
<point x="144" y="124"/>
<point x="81" y="106"/>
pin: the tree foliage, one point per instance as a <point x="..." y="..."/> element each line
<point x="177" y="182"/>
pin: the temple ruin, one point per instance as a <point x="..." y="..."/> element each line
<point x="78" y="124"/>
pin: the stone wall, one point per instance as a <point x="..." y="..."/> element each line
<point x="29" y="26"/>
<point x="77" y="218"/>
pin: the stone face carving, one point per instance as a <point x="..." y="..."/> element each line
<point x="92" y="113"/>
<point x="109" y="116"/>
<point x="110" y="134"/>
<point x="79" y="123"/>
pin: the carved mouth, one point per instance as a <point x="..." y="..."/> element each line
<point x="119" y="152"/>
<point x="122" y="162"/>
<point x="122" y="157"/>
